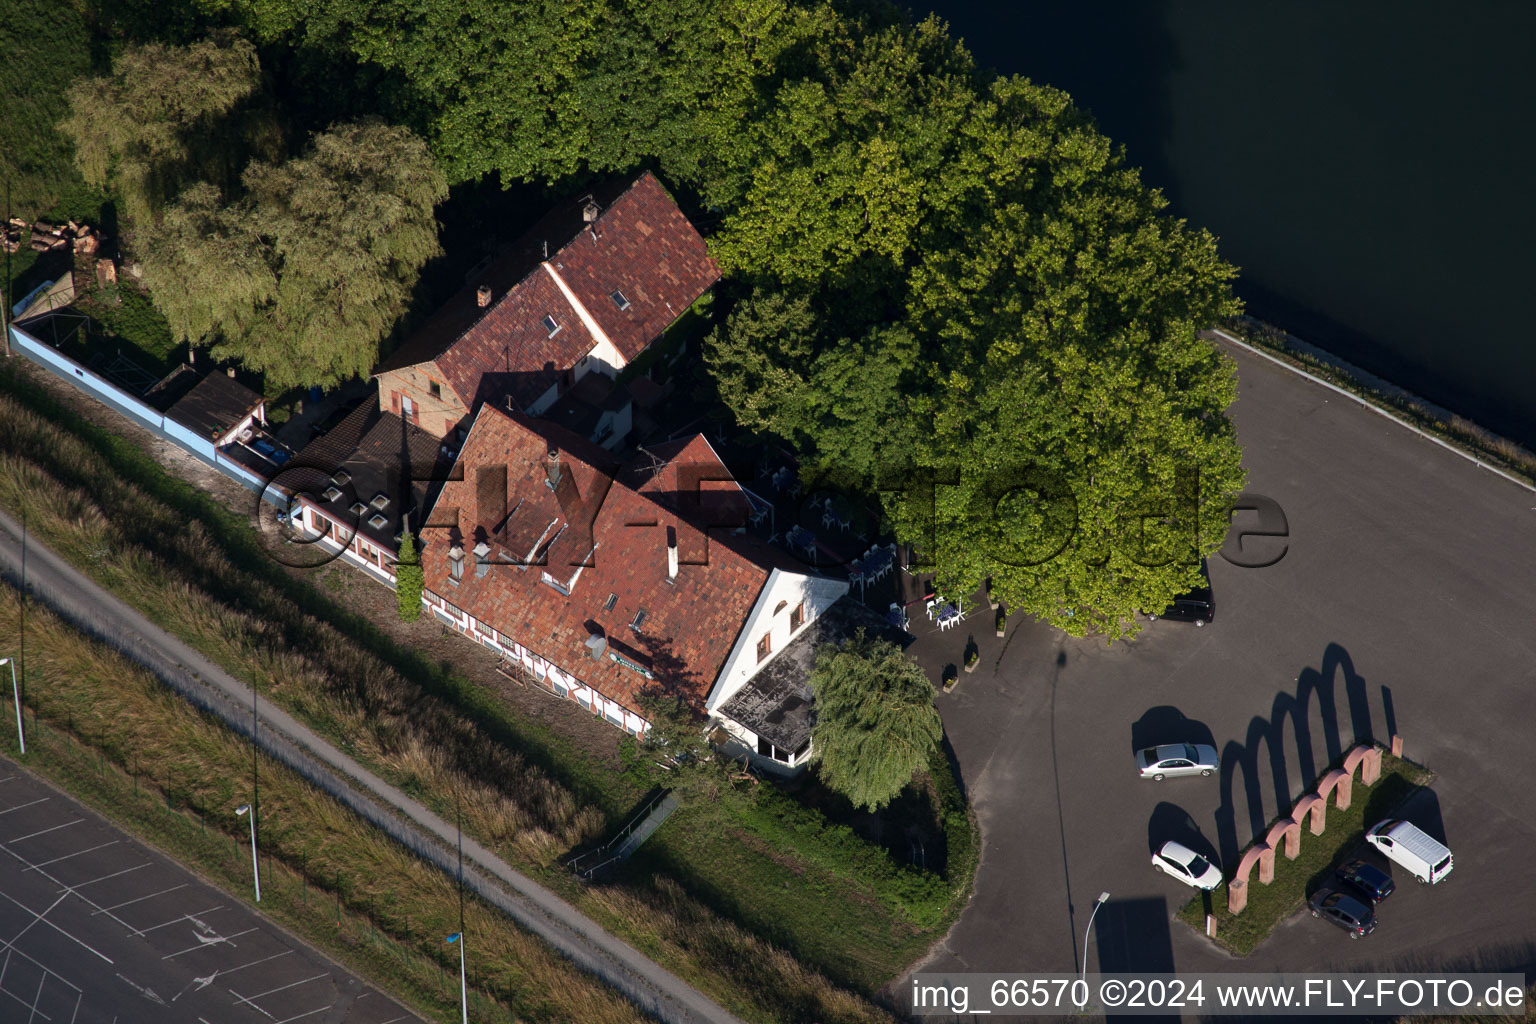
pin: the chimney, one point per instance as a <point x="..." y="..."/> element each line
<point x="230" y="371"/>
<point x="590" y="210"/>
<point x="552" y="467"/>
<point x="671" y="555"/>
<point x="483" y="296"/>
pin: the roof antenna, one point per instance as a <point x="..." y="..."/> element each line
<point x="546" y="248"/>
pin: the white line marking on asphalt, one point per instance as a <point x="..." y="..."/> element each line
<point x="69" y="888"/>
<point x="29" y="803"/>
<point x="147" y="993"/>
<point x="88" y="849"/>
<point x="23" y="1002"/>
<point x="141" y="899"/>
<point x="281" y="988"/>
<point x="77" y="1008"/>
<point x="55" y="927"/>
<point x="253" y="963"/>
<point x="55" y="828"/>
<point x="203" y="942"/>
<point x="103" y="878"/>
<point x="185" y="917"/>
<point x="38" y="998"/>
<point x="301" y="1016"/>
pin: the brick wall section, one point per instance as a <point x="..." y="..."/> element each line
<point x="690" y="625"/>
<point x="438" y="415"/>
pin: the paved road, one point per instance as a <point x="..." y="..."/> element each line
<point x="97" y="927"/>
<point x="1406" y="601"/>
<point x="580" y="939"/>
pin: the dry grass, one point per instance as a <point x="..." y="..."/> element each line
<point x="167" y="567"/>
<point x="180" y="573"/>
<point x="200" y="767"/>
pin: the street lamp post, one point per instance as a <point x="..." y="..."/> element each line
<point x="463" y="987"/>
<point x="21" y="736"/>
<point x="1086" y="932"/>
<point x="245" y="809"/>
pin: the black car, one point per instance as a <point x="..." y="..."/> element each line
<point x="1343" y="909"/>
<point x="1197" y="606"/>
<point x="1371" y="881"/>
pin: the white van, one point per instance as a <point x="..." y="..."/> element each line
<point x="1408" y="845"/>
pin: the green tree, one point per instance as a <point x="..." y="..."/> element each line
<point x="348" y="226"/>
<point x="408" y="579"/>
<point x="303" y="275"/>
<point x="876" y="724"/>
<point x="168" y="116"/>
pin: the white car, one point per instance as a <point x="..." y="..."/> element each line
<point x="1174" y="759"/>
<point x="1187" y="866"/>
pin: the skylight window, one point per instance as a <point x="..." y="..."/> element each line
<point x="552" y="326"/>
<point x="613" y="599"/>
<point x="619" y="299"/>
<point x="639" y="620"/>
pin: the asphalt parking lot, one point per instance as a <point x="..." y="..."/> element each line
<point x="1405" y="603"/>
<point x="97" y="927"/>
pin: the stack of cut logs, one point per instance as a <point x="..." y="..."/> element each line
<point x="45" y="236"/>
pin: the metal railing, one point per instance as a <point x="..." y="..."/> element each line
<point x="618" y="840"/>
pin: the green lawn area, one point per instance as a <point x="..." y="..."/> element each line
<point x="1268" y="905"/>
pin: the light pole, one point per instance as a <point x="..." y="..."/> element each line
<point x="463" y="988"/>
<point x="21" y="736"/>
<point x="255" y="871"/>
<point x="1086" y="932"/>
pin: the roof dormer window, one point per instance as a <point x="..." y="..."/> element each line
<point x="619" y="299"/>
<point x="551" y="326"/>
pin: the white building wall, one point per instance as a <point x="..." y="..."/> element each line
<point x="818" y="593"/>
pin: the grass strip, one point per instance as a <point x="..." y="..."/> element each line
<point x="111" y="735"/>
<point x="200" y="572"/>
<point x="1268" y="905"/>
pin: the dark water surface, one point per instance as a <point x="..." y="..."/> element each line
<point x="1368" y="165"/>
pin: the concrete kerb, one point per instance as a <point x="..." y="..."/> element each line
<point x="1371" y="406"/>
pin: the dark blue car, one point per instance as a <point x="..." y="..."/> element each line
<point x="1370" y="880"/>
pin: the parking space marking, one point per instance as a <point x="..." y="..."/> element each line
<point x="140" y="899"/>
<point x="69" y="888"/>
<point x="67" y="856"/>
<point x="10" y="951"/>
<point x="43" y="832"/>
<point x="36" y="999"/>
<point x="301" y="1016"/>
<point x="205" y="943"/>
<point x="251" y="1000"/>
<point x="29" y="803"/>
<point x="193" y="917"/>
<point x="253" y="963"/>
<point x="49" y="924"/>
<point x="103" y="878"/>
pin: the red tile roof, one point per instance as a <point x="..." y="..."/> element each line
<point x="690" y="624"/>
<point x="641" y="245"/>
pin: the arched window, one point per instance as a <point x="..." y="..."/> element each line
<point x="781" y="607"/>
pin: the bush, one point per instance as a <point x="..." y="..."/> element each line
<point x="408" y="579"/>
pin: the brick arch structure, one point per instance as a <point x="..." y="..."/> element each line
<point x="1289" y="830"/>
<point x="1365" y="756"/>
<point x="1368" y="757"/>
<point x="1317" y="807"/>
<point x="1338" y="782"/>
<point x="1237" y="888"/>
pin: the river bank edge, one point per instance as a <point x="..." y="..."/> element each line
<point x="1452" y="429"/>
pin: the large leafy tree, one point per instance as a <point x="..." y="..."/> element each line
<point x="302" y="276"/>
<point x="169" y="116"/>
<point x="876" y="724"/>
<point x="1017" y="372"/>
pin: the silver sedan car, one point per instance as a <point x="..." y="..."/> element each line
<point x="1174" y="759"/>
